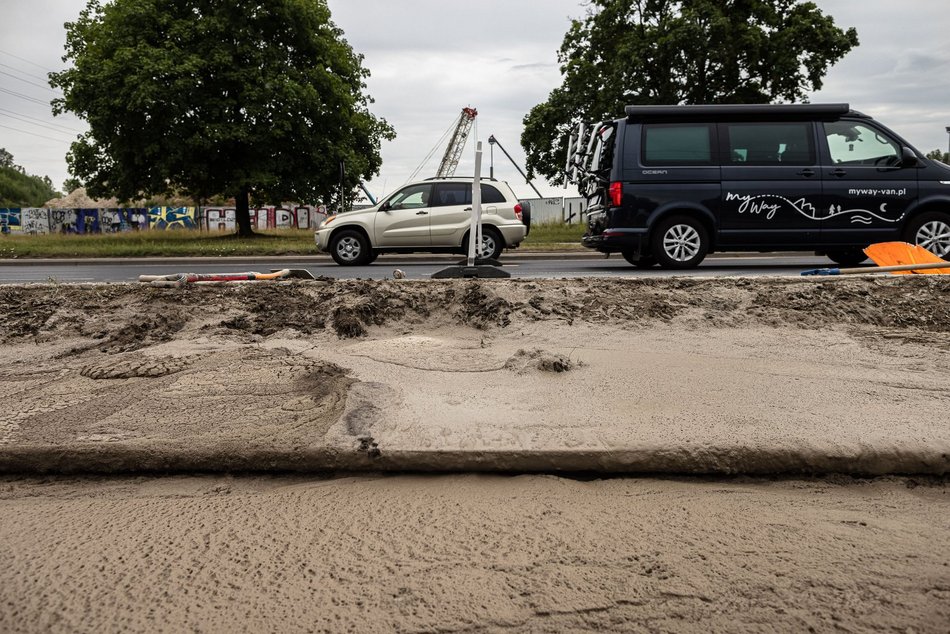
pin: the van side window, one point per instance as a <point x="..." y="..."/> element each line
<point x="852" y="143"/>
<point x="677" y="144"/>
<point x="769" y="144"/>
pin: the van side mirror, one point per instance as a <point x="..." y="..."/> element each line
<point x="909" y="158"/>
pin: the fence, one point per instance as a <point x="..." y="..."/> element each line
<point x="39" y="220"/>
<point x="557" y="209"/>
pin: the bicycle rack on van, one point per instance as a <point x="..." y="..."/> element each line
<point x="586" y="147"/>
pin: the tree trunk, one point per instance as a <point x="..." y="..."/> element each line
<point x="242" y="213"/>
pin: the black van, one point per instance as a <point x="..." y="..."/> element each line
<point x="670" y="184"/>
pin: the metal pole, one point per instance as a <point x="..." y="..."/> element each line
<point x="492" y="141"/>
<point x="948" y="145"/>
<point x="474" y="232"/>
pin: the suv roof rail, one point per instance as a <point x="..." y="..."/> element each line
<point x="728" y="110"/>
<point x="462" y="178"/>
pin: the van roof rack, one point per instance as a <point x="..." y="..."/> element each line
<point x="740" y="110"/>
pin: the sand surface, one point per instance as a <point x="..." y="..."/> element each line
<point x="473" y="554"/>
<point x="789" y="383"/>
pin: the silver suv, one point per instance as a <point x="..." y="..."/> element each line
<point x="432" y="215"/>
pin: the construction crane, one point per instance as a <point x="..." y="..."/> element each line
<point x="453" y="152"/>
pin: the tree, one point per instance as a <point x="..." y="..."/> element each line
<point x="19" y="189"/>
<point x="939" y="155"/>
<point x="209" y="98"/>
<point x="654" y="52"/>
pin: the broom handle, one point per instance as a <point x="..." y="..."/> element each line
<point x="879" y="269"/>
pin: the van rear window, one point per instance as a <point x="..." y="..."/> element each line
<point x="677" y="144"/>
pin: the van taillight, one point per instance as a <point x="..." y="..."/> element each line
<point x="616" y="193"/>
<point x="518" y="211"/>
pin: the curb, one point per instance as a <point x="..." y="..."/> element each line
<point x="232" y="457"/>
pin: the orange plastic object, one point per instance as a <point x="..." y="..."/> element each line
<point x="897" y="253"/>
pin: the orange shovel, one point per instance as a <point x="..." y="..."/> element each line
<point x="899" y="258"/>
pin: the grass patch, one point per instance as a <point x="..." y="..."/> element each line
<point x="131" y="244"/>
<point x="157" y="244"/>
<point x="555" y="236"/>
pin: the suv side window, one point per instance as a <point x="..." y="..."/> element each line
<point x="461" y="194"/>
<point x="677" y="144"/>
<point x="491" y="195"/>
<point x="851" y="143"/>
<point x="412" y="197"/>
<point x="447" y="194"/>
<point x="790" y="143"/>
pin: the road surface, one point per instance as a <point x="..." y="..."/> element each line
<point x="415" y="267"/>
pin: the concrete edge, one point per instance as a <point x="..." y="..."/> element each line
<point x="125" y="459"/>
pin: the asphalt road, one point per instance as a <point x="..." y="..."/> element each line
<point x="534" y="266"/>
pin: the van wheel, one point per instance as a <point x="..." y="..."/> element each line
<point x="639" y="261"/>
<point x="350" y="248"/>
<point x="679" y="242"/>
<point x="932" y="232"/>
<point x="847" y="257"/>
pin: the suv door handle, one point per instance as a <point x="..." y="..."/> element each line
<point x="839" y="172"/>
<point x="422" y="213"/>
<point x="806" y="172"/>
<point x="467" y="209"/>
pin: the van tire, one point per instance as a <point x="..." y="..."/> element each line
<point x="930" y="230"/>
<point x="350" y="248"/>
<point x="639" y="261"/>
<point x="679" y="242"/>
<point x="847" y="257"/>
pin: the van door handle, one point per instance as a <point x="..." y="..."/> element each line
<point x="839" y="172"/>
<point x="806" y="172"/>
<point x="422" y="213"/>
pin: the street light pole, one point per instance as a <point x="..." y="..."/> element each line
<point x="948" y="144"/>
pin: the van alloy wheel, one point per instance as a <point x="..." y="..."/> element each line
<point x="681" y="242"/>
<point x="934" y="235"/>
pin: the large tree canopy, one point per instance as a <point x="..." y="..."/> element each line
<point x="655" y="52"/>
<point x="211" y="98"/>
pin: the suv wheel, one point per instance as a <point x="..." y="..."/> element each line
<point x="350" y="248"/>
<point x="679" y="242"/>
<point x="492" y="244"/>
<point x="847" y="257"/>
<point x="932" y="232"/>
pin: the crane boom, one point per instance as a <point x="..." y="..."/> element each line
<point x="453" y="152"/>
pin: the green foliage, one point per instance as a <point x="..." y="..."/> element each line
<point x="19" y="189"/>
<point x="211" y="98"/>
<point x="680" y="52"/>
<point x="939" y="155"/>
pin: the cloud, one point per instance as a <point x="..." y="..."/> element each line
<point x="430" y="58"/>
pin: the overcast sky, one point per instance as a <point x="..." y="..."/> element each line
<point x="430" y="58"/>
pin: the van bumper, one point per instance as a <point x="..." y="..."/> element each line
<point x="617" y="240"/>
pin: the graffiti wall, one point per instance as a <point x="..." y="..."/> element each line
<point x="38" y="220"/>
<point x="297" y="217"/>
<point x="164" y="218"/>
